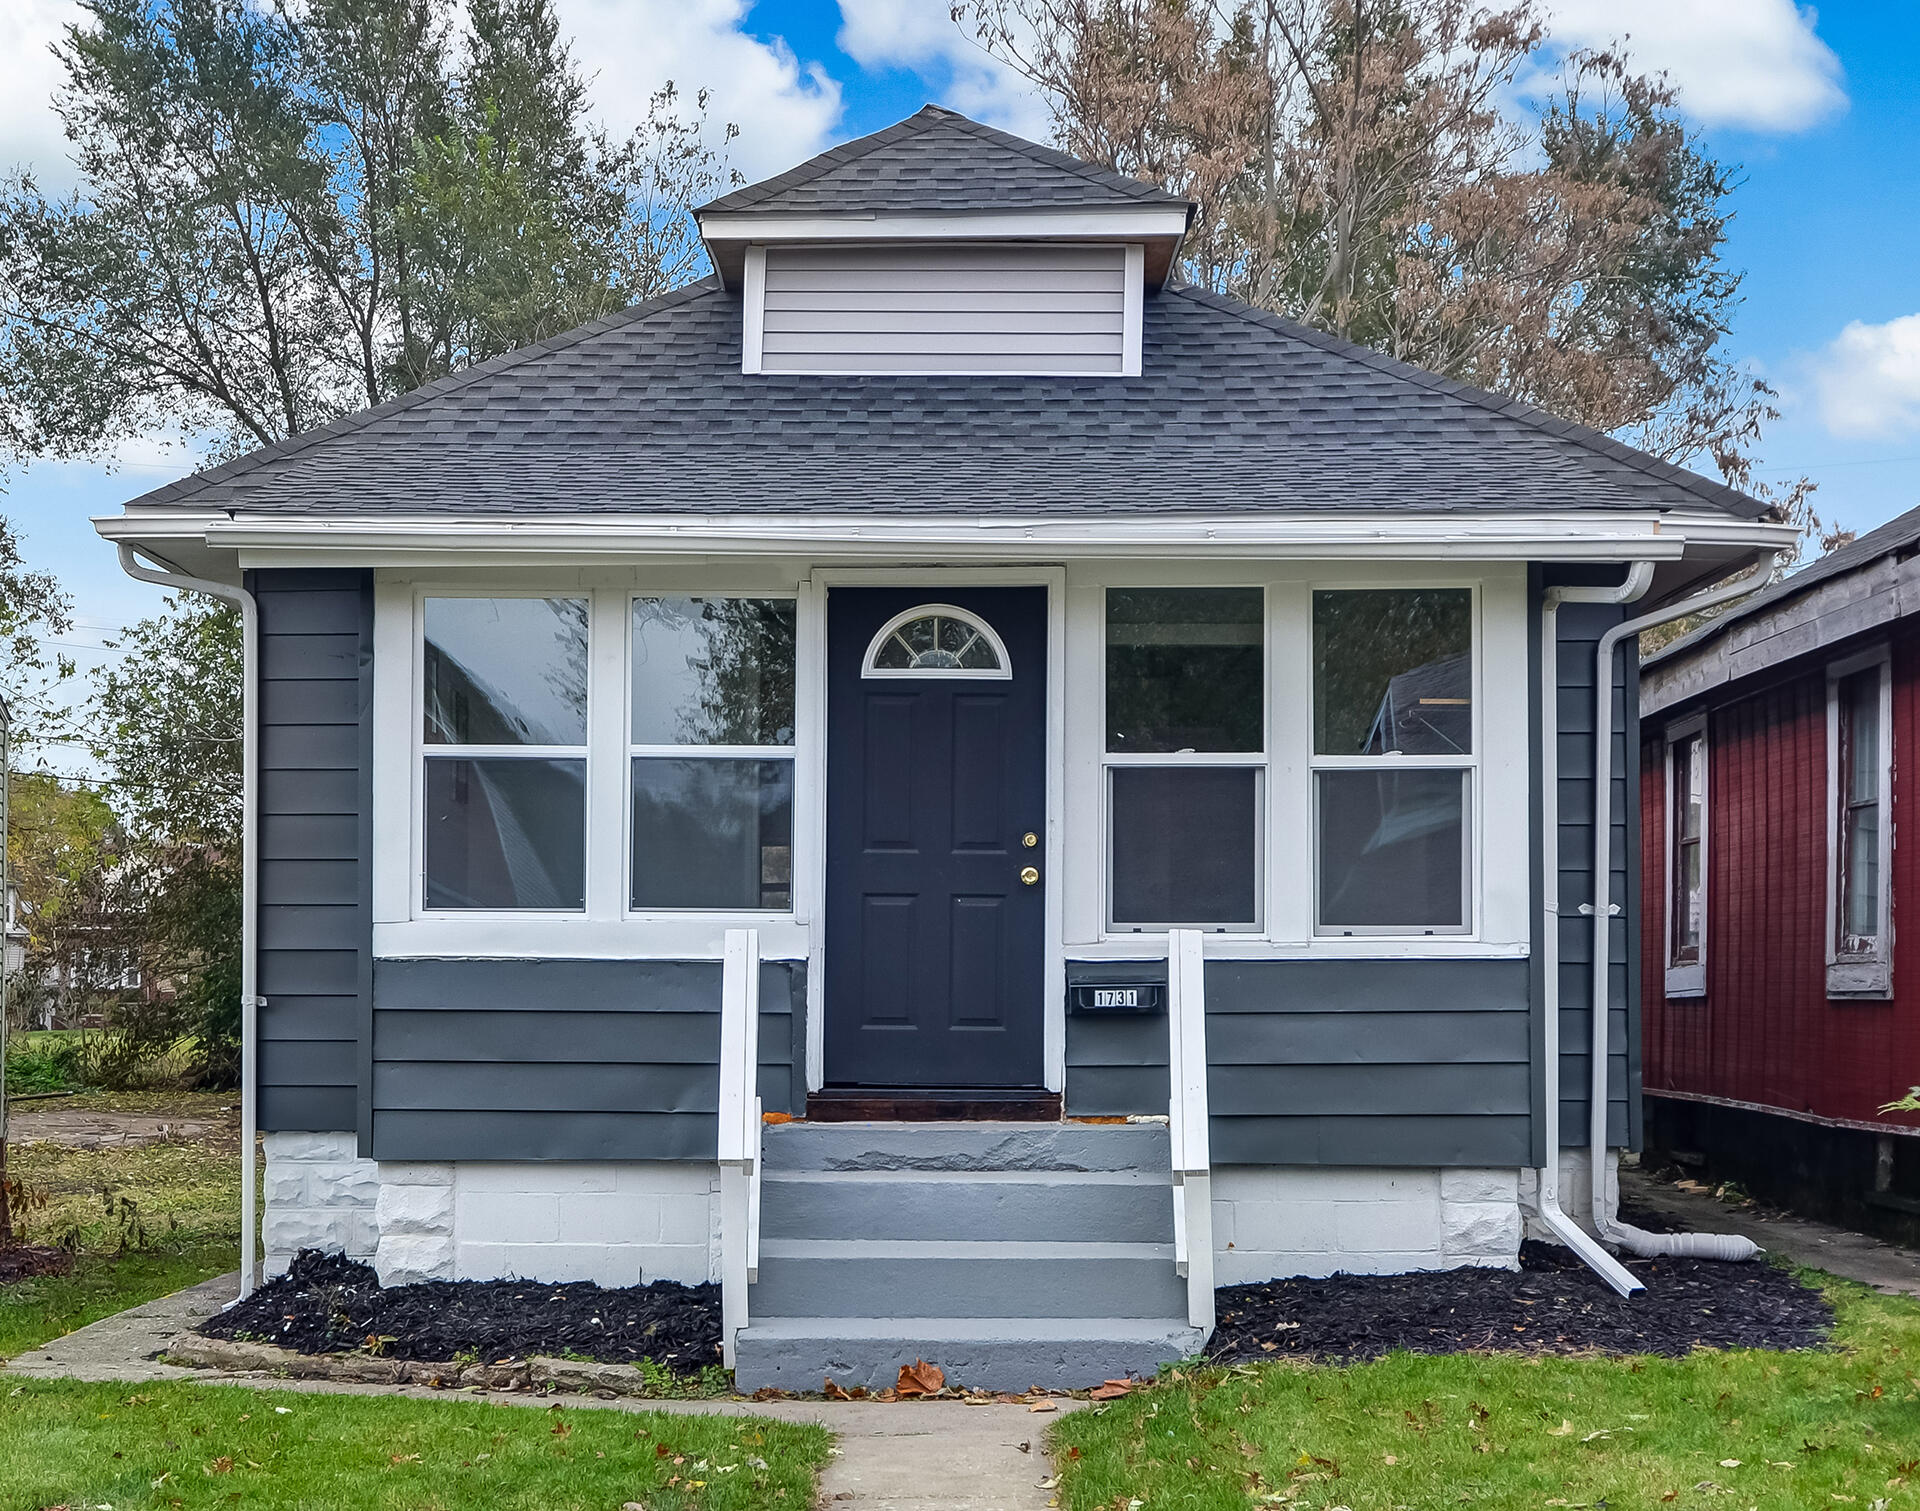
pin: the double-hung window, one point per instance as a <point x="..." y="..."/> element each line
<point x="711" y="754"/>
<point x="1686" y="971"/>
<point x="1393" y="760"/>
<point x="503" y="753"/>
<point x="1185" y="761"/>
<point x="1859" y="769"/>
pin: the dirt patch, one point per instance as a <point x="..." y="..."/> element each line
<point x="112" y="1130"/>
<point x="23" y="1261"/>
<point x="1553" y="1305"/>
<point x="328" y="1304"/>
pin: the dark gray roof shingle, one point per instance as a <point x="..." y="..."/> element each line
<point x="1235" y="411"/>
<point x="939" y="162"/>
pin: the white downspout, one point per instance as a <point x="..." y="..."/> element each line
<point x="249" y="879"/>
<point x="1610" y="1228"/>
<point x="1639" y="578"/>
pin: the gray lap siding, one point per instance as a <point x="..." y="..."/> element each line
<point x="566" y="1059"/>
<point x="314" y="816"/>
<point x="1332" y="1062"/>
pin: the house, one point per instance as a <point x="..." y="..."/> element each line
<point x="1775" y="760"/>
<point x="1098" y="724"/>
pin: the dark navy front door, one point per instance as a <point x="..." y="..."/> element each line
<point x="936" y="942"/>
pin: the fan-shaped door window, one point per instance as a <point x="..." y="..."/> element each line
<point x="936" y="640"/>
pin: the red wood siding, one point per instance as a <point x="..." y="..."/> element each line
<point x="1765" y="1032"/>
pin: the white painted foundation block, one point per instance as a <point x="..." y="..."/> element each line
<point x="319" y="1195"/>
<point x="1271" y="1221"/>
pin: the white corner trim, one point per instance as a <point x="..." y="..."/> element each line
<point x="753" y="302"/>
<point x="1133" y="309"/>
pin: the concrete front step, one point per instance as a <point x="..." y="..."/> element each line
<point x="1101" y="1206"/>
<point x="811" y="1277"/>
<point x="981" y="1353"/>
<point x="966" y="1146"/>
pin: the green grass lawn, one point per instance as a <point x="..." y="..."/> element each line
<point x="181" y="1445"/>
<point x="1792" y="1431"/>
<point x="143" y="1221"/>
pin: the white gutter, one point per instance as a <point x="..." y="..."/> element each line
<point x="1539" y="537"/>
<point x="1639" y="578"/>
<point x="249" y="881"/>
<point x="1611" y="1230"/>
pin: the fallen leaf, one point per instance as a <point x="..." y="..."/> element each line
<point x="1388" y="1458"/>
<point x="1729" y="1463"/>
<point x="1041" y="1406"/>
<point x="1112" y="1390"/>
<point x="1564" y="1430"/>
<point x="835" y="1392"/>
<point x="920" y="1379"/>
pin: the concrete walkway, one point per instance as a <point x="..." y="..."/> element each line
<point x="907" y="1456"/>
<point x="1855" y="1256"/>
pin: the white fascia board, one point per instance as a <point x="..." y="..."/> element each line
<point x="1119" y="222"/>
<point x="416" y="541"/>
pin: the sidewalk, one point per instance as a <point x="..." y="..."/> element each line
<point x="1855" y="1256"/>
<point x="907" y="1456"/>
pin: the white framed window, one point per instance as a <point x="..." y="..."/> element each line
<point x="500" y="767"/>
<point x="1184" y="762"/>
<point x="710" y="774"/>
<point x="937" y="640"/>
<point x="1395" y="763"/>
<point x="1859" y="789"/>
<point x="1686" y="879"/>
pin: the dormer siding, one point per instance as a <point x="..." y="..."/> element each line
<point x="993" y="307"/>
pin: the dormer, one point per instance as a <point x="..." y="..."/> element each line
<point x="942" y="246"/>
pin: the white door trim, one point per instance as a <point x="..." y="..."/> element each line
<point x="813" y="599"/>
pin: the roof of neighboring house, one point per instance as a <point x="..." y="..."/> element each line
<point x="1235" y="410"/>
<point x="937" y="162"/>
<point x="1895" y="536"/>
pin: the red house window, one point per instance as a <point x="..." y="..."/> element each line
<point x="1686" y="859"/>
<point x="1859" y="766"/>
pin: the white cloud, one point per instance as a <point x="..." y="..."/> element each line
<point x="1866" y="383"/>
<point x="1752" y="63"/>
<point x="920" y="35"/>
<point x="30" y="134"/>
<point x="786" y="109"/>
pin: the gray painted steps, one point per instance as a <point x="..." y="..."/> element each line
<point x="1108" y="1206"/>
<point x="1011" y="1254"/>
<point x="983" y="1353"/>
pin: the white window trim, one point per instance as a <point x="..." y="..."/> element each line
<point x="1255" y="761"/>
<point x="425" y="750"/>
<point x="1686" y="980"/>
<point x="1000" y="671"/>
<point x="1867" y="976"/>
<point x="607" y="928"/>
<point x="1469" y="765"/>
<point x="733" y="917"/>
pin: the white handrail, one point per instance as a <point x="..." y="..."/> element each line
<point x="739" y="1131"/>
<point x="1187" y="1122"/>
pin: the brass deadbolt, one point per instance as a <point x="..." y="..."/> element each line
<point x="1029" y="874"/>
<point x="1029" y="839"/>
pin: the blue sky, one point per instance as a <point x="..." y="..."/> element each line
<point x="1821" y="109"/>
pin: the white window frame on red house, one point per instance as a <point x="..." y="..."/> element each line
<point x="1854" y="971"/>
<point x="1686" y="978"/>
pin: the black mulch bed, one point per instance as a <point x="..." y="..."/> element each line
<point x="1553" y="1305"/>
<point x="329" y="1304"/>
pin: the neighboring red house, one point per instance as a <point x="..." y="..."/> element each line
<point x="1781" y="995"/>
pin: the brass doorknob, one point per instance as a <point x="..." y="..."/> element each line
<point x="1029" y="874"/>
